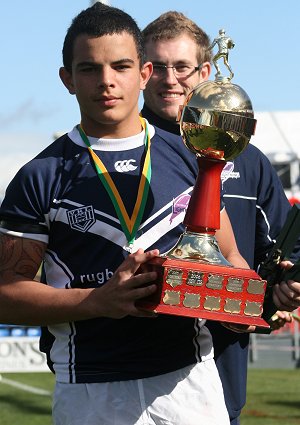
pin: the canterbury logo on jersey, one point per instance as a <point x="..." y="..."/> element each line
<point x="125" y="165"/>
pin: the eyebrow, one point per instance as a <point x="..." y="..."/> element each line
<point x="91" y="63"/>
<point x="179" y="62"/>
<point x="125" y="60"/>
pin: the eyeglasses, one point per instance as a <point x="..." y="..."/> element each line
<point x="180" y="71"/>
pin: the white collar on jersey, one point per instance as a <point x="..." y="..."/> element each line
<point x="112" y="144"/>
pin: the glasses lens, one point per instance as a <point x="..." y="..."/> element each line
<point x="159" y="70"/>
<point x="182" y="71"/>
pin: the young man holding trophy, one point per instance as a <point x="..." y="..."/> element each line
<point x="93" y="208"/>
<point x="254" y="199"/>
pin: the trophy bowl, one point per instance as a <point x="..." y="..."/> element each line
<point x="217" y="120"/>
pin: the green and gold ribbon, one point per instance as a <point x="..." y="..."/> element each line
<point x="131" y="224"/>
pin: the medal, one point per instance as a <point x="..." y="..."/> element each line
<point x="131" y="224"/>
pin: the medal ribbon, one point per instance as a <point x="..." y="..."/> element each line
<point x="131" y="224"/>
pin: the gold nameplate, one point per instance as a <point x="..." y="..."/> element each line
<point x="195" y="278"/>
<point x="174" y="277"/>
<point x="212" y="303"/>
<point x="255" y="286"/>
<point x="214" y="281"/>
<point x="232" y="306"/>
<point x="191" y="300"/>
<point x="171" y="297"/>
<point x="253" y="309"/>
<point x="235" y="284"/>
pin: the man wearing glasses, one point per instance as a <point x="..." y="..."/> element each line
<point x="179" y="64"/>
<point x="254" y="198"/>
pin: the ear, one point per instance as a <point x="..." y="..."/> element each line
<point x="145" y="74"/>
<point x="67" y="79"/>
<point x="205" y="71"/>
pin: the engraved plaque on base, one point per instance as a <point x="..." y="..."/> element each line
<point x="226" y="293"/>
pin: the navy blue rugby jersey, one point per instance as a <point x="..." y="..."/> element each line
<point x="58" y="198"/>
<point x="253" y="194"/>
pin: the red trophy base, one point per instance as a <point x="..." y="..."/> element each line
<point x="194" y="279"/>
<point x="208" y="291"/>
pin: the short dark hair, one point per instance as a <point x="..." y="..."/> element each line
<point x="173" y="24"/>
<point x="99" y="20"/>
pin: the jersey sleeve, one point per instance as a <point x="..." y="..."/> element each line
<point x="23" y="212"/>
<point x="272" y="209"/>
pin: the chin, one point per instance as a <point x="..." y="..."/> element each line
<point x="170" y="115"/>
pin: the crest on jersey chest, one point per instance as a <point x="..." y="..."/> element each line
<point x="81" y="218"/>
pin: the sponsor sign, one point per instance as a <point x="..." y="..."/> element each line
<point x="21" y="354"/>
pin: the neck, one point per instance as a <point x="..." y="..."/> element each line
<point x="154" y="119"/>
<point x="111" y="130"/>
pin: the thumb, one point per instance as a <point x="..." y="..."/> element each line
<point x="286" y="264"/>
<point x="135" y="260"/>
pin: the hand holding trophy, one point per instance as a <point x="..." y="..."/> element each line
<point x="195" y="280"/>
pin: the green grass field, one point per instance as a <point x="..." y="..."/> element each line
<point x="273" y="398"/>
<point x="19" y="406"/>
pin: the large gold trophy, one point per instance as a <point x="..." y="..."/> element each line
<point x="194" y="278"/>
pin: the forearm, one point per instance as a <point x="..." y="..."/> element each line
<point x="227" y="243"/>
<point x="237" y="260"/>
<point x="27" y="302"/>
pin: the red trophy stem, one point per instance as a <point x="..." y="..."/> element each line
<point x="203" y="213"/>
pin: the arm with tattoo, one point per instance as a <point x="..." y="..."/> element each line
<point x="28" y="302"/>
<point x="21" y="257"/>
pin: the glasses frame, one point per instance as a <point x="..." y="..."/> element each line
<point x="166" y="67"/>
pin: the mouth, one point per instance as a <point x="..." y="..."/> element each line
<point x="171" y="95"/>
<point x="107" y="100"/>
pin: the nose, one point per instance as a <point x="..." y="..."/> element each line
<point x="105" y="77"/>
<point x="170" y="77"/>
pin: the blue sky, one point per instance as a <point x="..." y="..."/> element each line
<point x="35" y="104"/>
